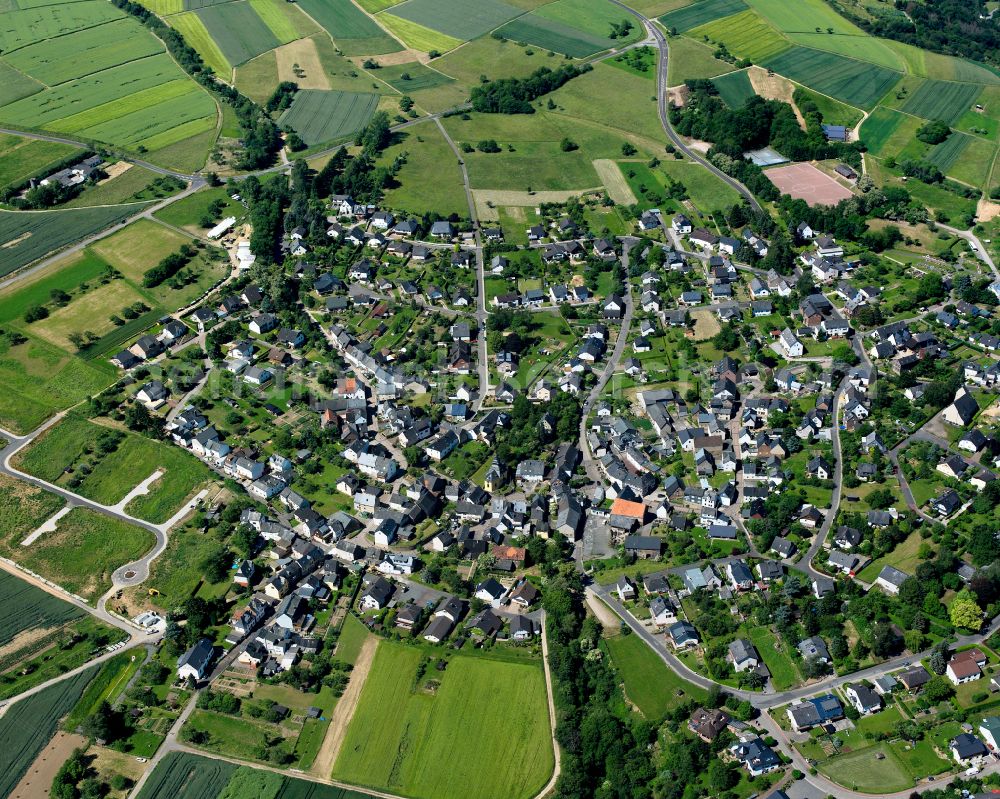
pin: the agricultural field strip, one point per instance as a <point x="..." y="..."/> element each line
<point x="109" y="44"/>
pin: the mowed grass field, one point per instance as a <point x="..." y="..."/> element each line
<point x="22" y="158"/>
<point x="649" y="683"/>
<point x="487" y="720"/>
<point x="63" y="449"/>
<point x="108" y="80"/>
<point x="457" y="18"/>
<point x="746" y="35"/>
<point x="321" y="116"/>
<point x="85" y="550"/>
<point x="417" y="36"/>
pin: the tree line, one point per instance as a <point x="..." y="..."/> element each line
<point x="260" y="135"/>
<point x="515" y="95"/>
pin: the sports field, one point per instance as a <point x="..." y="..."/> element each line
<point x="806" y="182"/>
<point x="684" y="19"/>
<point x="854" y="82"/>
<point x="938" y="99"/>
<point x="457" y="18"/>
<point x="746" y="35"/>
<point x="321" y="116"/>
<point x="486" y="719"/>
<point x="735" y="88"/>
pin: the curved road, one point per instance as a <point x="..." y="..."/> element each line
<point x="661" y="82"/>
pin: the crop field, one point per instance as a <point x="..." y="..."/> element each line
<point x="111" y="477"/>
<point x="22" y="158"/>
<point x="196" y="34"/>
<point x="413" y="77"/>
<point x="684" y="19"/>
<point x="457" y="18"/>
<point x="553" y="35"/>
<point x="487" y="720"/>
<point x="26" y="236"/>
<point x="970" y="167"/>
<point x="144" y="102"/>
<point x="185" y="776"/>
<point x="240" y="33"/>
<point x="26" y="607"/>
<point x="321" y="116"/>
<point x="945" y="154"/>
<point x="938" y="99"/>
<point x="745" y="35"/>
<point x="14" y="85"/>
<point x="595" y="17"/>
<point x="354" y="31"/>
<point x="886" y="132"/>
<point x="108" y="80"/>
<point x="735" y="88"/>
<point x="418" y="37"/>
<point x="28" y="725"/>
<point x="854" y="82"/>
<point x="834" y="112"/>
<point x="106" y="686"/>
<point x="89" y="51"/>
<point x="649" y="683"/>
<point x="942" y="67"/>
<point x="27" y="26"/>
<point x="284" y="19"/>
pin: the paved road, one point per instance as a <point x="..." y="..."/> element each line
<point x="138" y="570"/>
<point x="482" y="356"/>
<point x="145" y="211"/>
<point x="838" y="481"/>
<point x="660" y="40"/>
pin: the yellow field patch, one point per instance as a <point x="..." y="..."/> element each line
<point x="706" y="324"/>
<point x="89" y="312"/>
<point x="614" y="181"/>
<point x="139" y="247"/>
<point x="301" y="53"/>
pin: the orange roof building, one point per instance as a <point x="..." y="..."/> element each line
<point x="633" y="510"/>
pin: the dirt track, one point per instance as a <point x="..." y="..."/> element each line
<point x="344" y="711"/>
